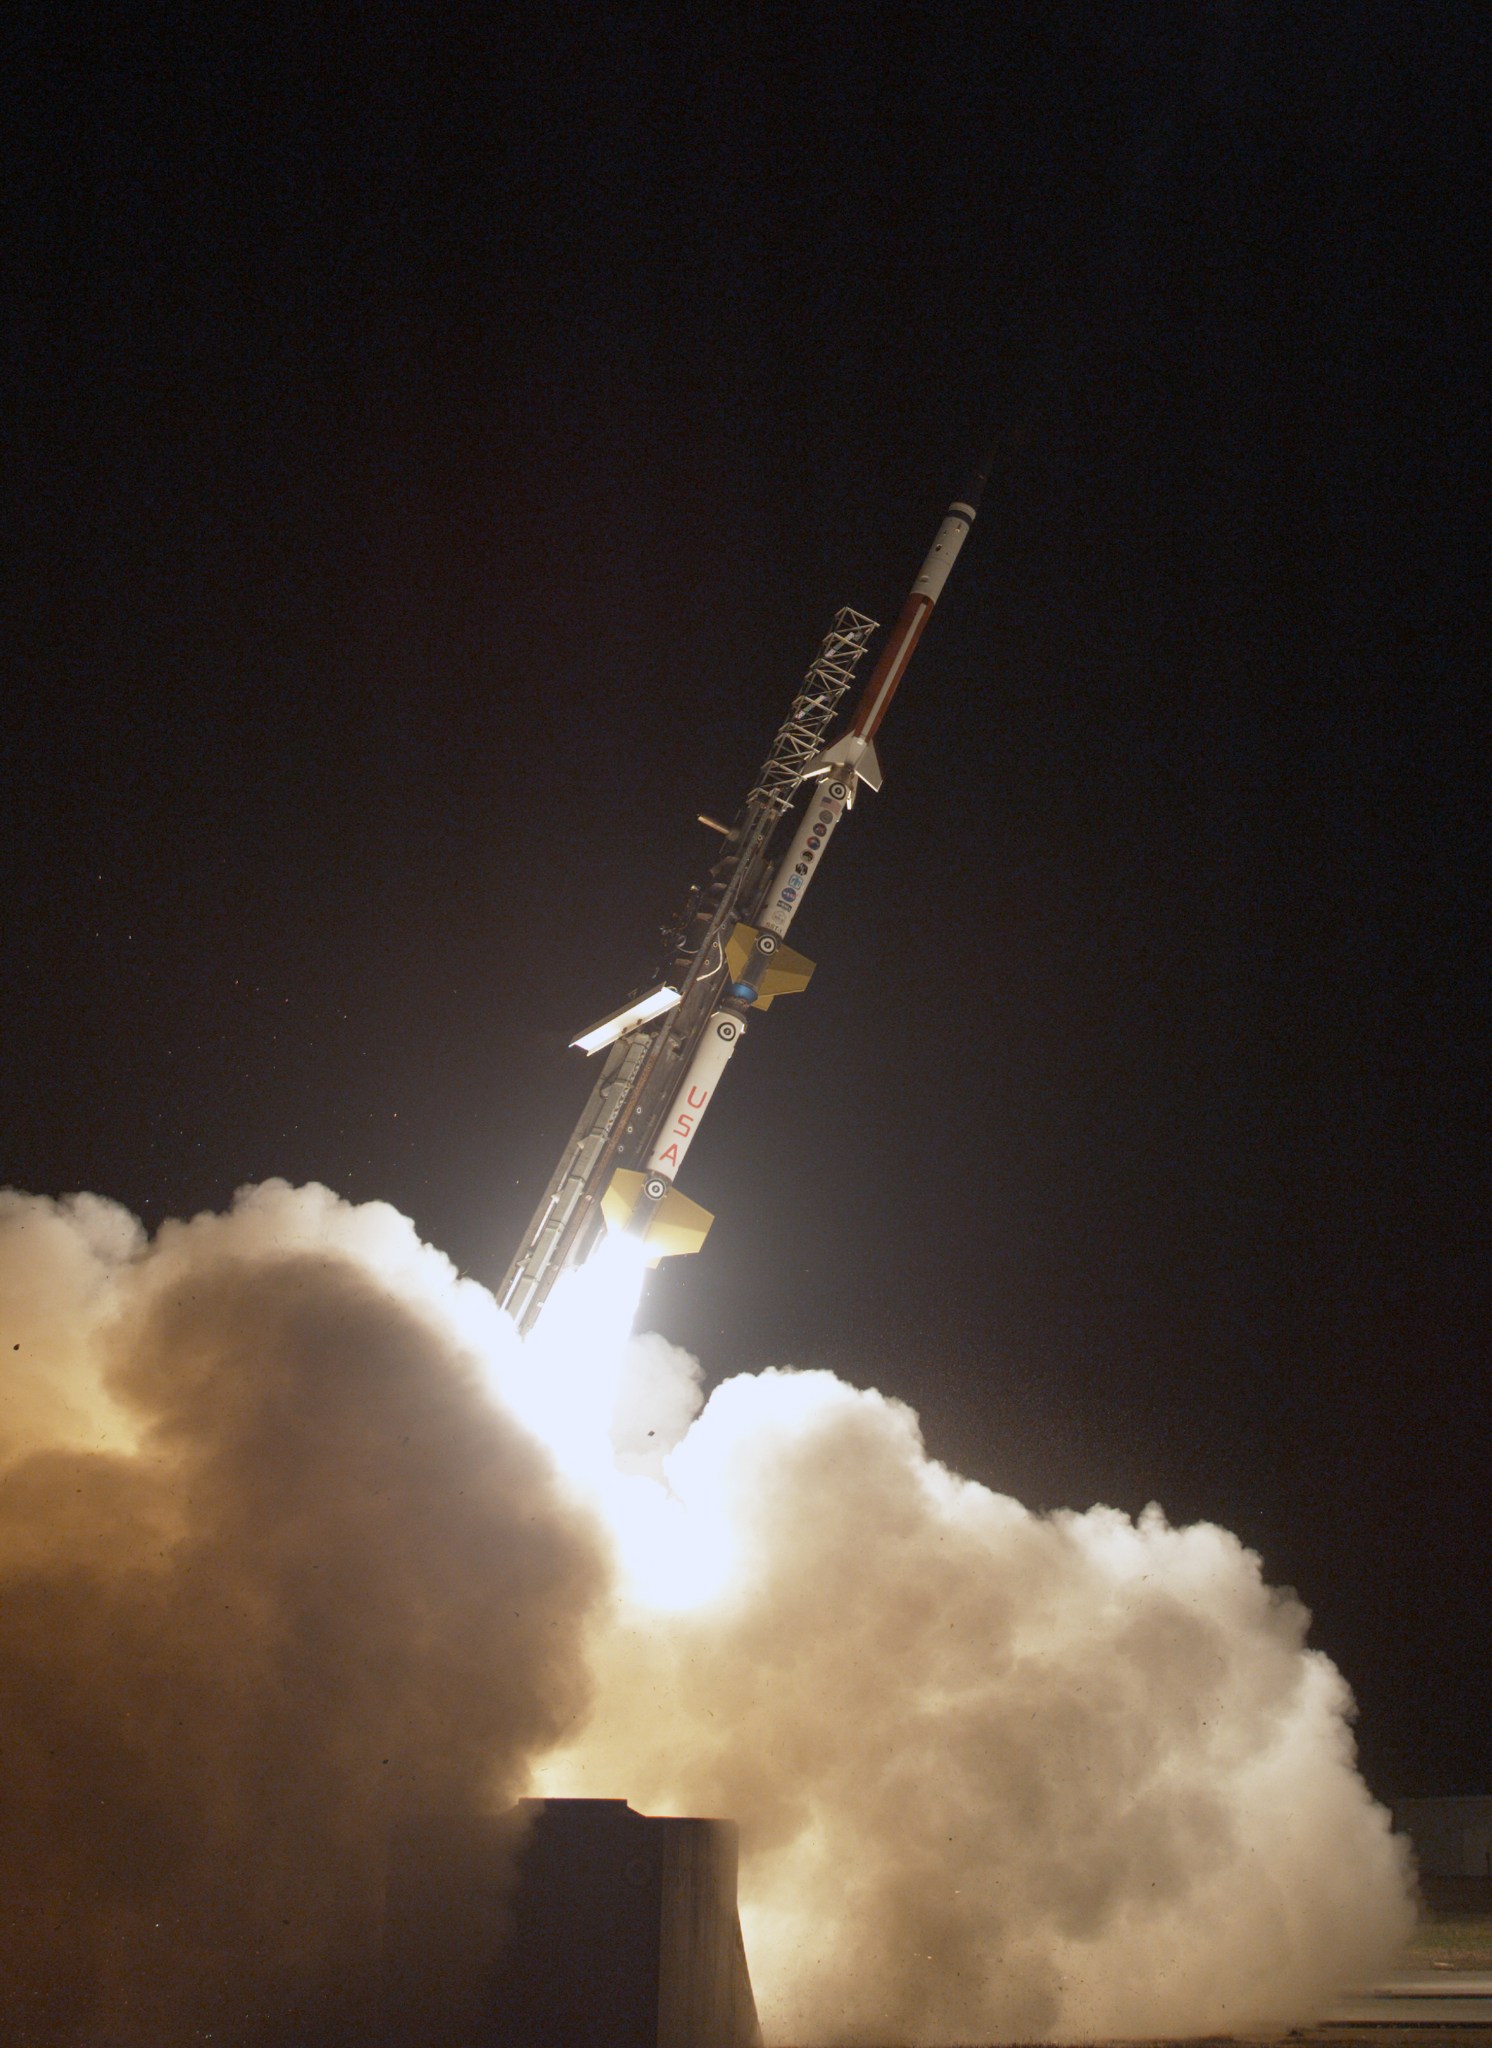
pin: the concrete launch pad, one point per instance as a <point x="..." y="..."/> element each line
<point x="1412" y="2034"/>
<point x="1422" y="1998"/>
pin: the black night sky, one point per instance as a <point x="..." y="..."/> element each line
<point x="439" y="439"/>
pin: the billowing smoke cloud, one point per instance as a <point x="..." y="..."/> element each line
<point x="999" y="1776"/>
<point x="274" y="1571"/>
<point x="281" y="1560"/>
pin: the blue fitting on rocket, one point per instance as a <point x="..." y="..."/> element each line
<point x="743" y="991"/>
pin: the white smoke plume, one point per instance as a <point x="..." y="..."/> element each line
<point x="275" y="1512"/>
<point x="274" y="1572"/>
<point x="999" y="1776"/>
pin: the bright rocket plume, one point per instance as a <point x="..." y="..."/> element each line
<point x="296" y="1536"/>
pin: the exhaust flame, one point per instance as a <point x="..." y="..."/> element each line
<point x="610" y="1411"/>
<point x="565" y="1382"/>
<point x="281" y="1558"/>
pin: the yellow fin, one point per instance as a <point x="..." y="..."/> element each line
<point x="678" y="1225"/>
<point x="787" y="975"/>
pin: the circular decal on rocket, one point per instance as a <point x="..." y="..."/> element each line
<point x="727" y="1029"/>
<point x="655" y="1187"/>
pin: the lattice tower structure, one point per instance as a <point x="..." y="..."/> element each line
<point x="804" y="730"/>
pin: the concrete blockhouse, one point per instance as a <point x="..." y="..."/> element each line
<point x="575" y="1923"/>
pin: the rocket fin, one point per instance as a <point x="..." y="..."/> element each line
<point x="850" y="756"/>
<point x="868" y="767"/>
<point x="788" y="973"/>
<point x="678" y="1225"/>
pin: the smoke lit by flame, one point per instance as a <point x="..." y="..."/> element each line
<point x="297" y="1536"/>
<point x="999" y="1775"/>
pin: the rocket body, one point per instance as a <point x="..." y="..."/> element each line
<point x="722" y="1035"/>
<point x="875" y="702"/>
<point x="827" y="806"/>
<point x="841" y="769"/>
<point x="666" y="1052"/>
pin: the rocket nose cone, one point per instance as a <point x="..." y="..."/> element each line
<point x="1004" y="443"/>
<point x="978" y="481"/>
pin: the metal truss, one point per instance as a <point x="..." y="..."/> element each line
<point x="801" y="735"/>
